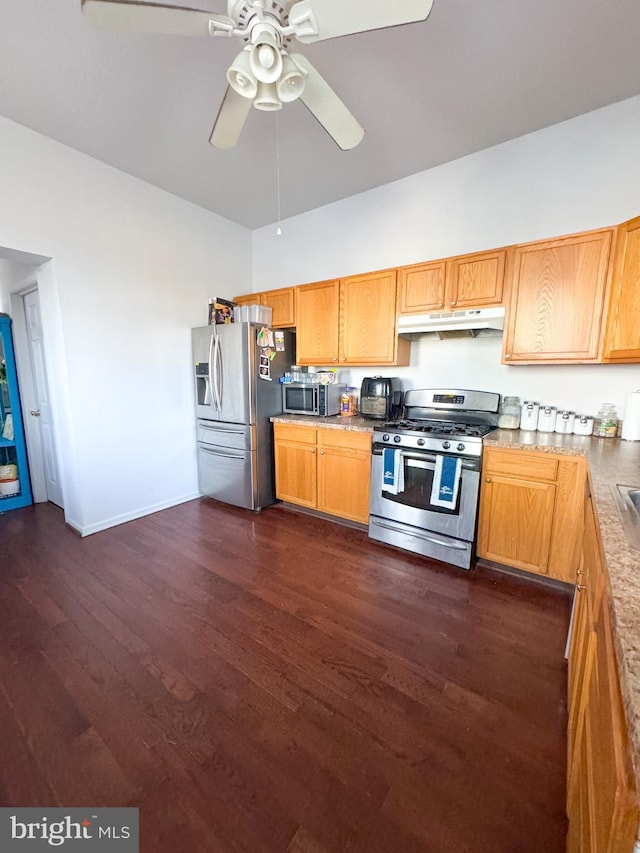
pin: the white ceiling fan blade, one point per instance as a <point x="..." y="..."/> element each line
<point x="230" y="120"/>
<point x="320" y="99"/>
<point x="315" y="20"/>
<point x="154" y="18"/>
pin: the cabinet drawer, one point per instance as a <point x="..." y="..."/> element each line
<point x="345" y="439"/>
<point x="531" y="466"/>
<point x="294" y="432"/>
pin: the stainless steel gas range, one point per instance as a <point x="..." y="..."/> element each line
<point x="425" y="474"/>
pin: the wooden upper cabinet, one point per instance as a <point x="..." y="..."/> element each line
<point x="368" y="319"/>
<point x="283" y="303"/>
<point x="476" y="280"/>
<point x="557" y="290"/>
<point x="467" y="281"/>
<point x="317" y="322"/>
<point x="622" y="337"/>
<point x="421" y="287"/>
<point x="352" y="321"/>
<point x="247" y="299"/>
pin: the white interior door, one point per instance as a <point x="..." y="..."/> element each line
<point x="42" y="413"/>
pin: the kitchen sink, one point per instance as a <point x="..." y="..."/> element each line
<point x="628" y="503"/>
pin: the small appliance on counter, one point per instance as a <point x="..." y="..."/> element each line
<point x="380" y="397"/>
<point x="311" y="398"/>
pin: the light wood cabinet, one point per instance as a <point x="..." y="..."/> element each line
<point x="324" y="469"/>
<point x="351" y="321"/>
<point x="531" y="511"/>
<point x="282" y="301"/>
<point x="466" y="281"/>
<point x="622" y="336"/>
<point x="601" y="794"/>
<point x="557" y="292"/>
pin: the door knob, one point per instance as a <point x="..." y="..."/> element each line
<point x="35" y="413"/>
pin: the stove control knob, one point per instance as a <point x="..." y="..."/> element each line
<point x="421" y="442"/>
<point x="446" y="445"/>
<point x="461" y="447"/>
<point x="397" y="439"/>
<point x="385" y="437"/>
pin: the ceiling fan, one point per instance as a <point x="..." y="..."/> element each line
<point x="264" y="74"/>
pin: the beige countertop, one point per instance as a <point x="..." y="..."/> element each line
<point x="611" y="461"/>
<point x="354" y="423"/>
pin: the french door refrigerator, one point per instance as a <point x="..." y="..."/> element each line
<point x="237" y="390"/>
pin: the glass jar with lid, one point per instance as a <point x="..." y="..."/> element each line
<point x="606" y="424"/>
<point x="509" y="417"/>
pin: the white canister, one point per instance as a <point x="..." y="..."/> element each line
<point x="583" y="425"/>
<point x="565" y="421"/>
<point x="529" y="415"/>
<point x="547" y="418"/>
<point x="631" y="419"/>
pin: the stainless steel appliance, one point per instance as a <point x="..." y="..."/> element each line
<point x="307" y="398"/>
<point x="380" y="397"/>
<point x="444" y="423"/>
<point x="237" y="391"/>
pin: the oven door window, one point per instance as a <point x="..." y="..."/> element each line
<point x="418" y="482"/>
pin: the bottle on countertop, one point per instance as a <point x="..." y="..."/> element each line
<point x="348" y="402"/>
<point x="509" y="417"/>
<point x="606" y="424"/>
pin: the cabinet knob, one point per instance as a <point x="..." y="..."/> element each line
<point x="335" y="359"/>
<point x="507" y="355"/>
<point x="487" y="479"/>
<point x="580" y="586"/>
<point x="579" y="572"/>
<point x="322" y="453"/>
<point x="313" y="450"/>
<point x="453" y="302"/>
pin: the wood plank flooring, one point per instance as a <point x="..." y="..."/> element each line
<point x="277" y="682"/>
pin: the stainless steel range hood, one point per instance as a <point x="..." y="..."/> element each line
<point x="474" y="322"/>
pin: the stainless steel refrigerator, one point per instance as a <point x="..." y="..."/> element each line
<point x="237" y="390"/>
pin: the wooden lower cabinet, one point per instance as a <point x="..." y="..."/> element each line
<point x="324" y="469"/>
<point x="531" y="511"/>
<point x="601" y="794"/>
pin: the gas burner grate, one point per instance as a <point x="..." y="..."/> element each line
<point x="439" y="428"/>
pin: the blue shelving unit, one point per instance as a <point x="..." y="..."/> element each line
<point x="12" y="450"/>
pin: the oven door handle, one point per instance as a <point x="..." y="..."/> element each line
<point x="426" y="458"/>
<point x="455" y="546"/>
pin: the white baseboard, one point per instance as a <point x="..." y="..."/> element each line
<point x="129" y="516"/>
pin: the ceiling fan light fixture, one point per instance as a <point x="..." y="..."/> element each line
<point x="241" y="77"/>
<point x="291" y="82"/>
<point x="267" y="98"/>
<point x="265" y="59"/>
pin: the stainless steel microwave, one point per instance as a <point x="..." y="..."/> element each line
<point x="300" y="398"/>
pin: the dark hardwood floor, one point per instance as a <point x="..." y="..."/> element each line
<point x="277" y="682"/>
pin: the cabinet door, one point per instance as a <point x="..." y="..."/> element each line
<point x="516" y="520"/>
<point x="248" y="299"/>
<point x="317" y="322"/>
<point x="295" y="463"/>
<point x="622" y="340"/>
<point x="557" y="296"/>
<point x="283" y="304"/>
<point x="368" y="319"/>
<point x="344" y="471"/>
<point x="476" y="280"/>
<point x="421" y="288"/>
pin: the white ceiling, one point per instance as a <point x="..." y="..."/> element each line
<point x="474" y="74"/>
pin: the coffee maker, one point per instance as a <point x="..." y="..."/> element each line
<point x="380" y="398"/>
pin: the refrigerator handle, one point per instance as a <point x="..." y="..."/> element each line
<point x="218" y="364"/>
<point x="213" y="371"/>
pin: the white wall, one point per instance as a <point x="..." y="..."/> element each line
<point x="574" y="176"/>
<point x="133" y="268"/>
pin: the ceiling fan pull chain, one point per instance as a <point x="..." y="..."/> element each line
<point x="278" y="228"/>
